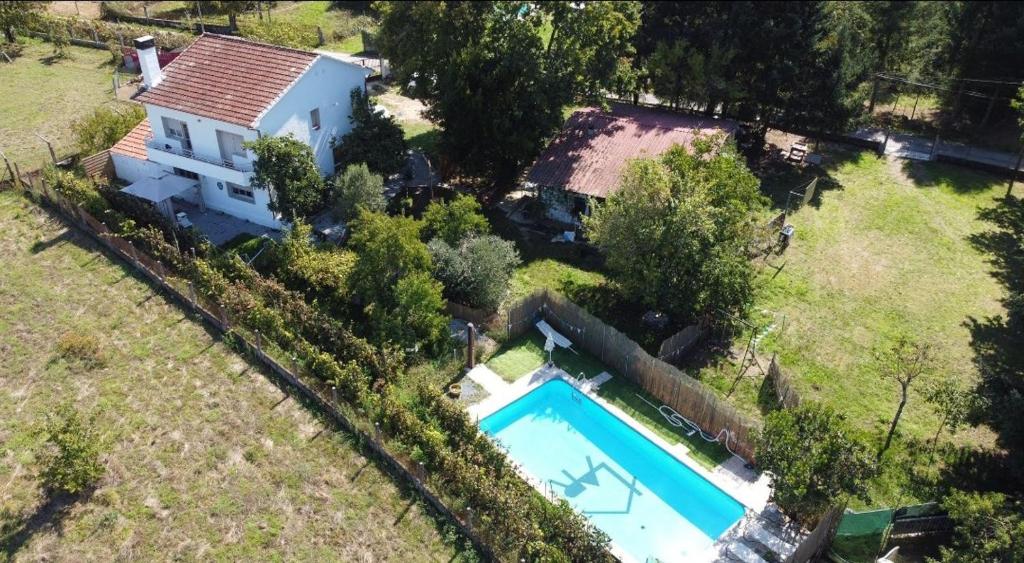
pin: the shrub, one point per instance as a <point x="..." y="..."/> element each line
<point x="357" y="188"/>
<point x="476" y="272"/>
<point x="71" y="457"/>
<point x="286" y="166"/>
<point x="989" y="527"/>
<point x="105" y="126"/>
<point x="321" y="273"/>
<point x="375" y="139"/>
<point x="77" y="190"/>
<point x="82" y="348"/>
<point x="454" y="220"/>
<point x="813" y="460"/>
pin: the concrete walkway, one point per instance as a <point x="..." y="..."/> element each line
<point x="920" y="148"/>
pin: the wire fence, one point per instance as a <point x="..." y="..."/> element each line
<point x="663" y="381"/>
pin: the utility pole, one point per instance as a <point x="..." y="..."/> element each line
<point x="199" y="10"/>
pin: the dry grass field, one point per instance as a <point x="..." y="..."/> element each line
<point x="205" y="458"/>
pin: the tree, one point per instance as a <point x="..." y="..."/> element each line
<point x="16" y="13"/>
<point x="375" y="139"/>
<point x="953" y="403"/>
<point x="391" y="271"/>
<point x="674" y="234"/>
<point x="476" y="272"/>
<point x="813" y="459"/>
<point x="454" y="220"/>
<point x="797" y="64"/>
<point x="357" y="188"/>
<point x="286" y="167"/>
<point x="492" y="81"/>
<point x="105" y="126"/>
<point x="71" y="456"/>
<point x="321" y="273"/>
<point x="989" y="527"/>
<point x="904" y="363"/>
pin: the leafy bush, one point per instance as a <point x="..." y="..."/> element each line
<point x="82" y="348"/>
<point x="71" y="457"/>
<point x="321" y="273"/>
<point x="105" y="126"/>
<point x="375" y="140"/>
<point x="391" y="279"/>
<point x="358" y="188"/>
<point x="454" y="220"/>
<point x="286" y="166"/>
<point x="813" y="460"/>
<point x="76" y="189"/>
<point x="279" y="33"/>
<point x="989" y="527"/>
<point x="476" y="272"/>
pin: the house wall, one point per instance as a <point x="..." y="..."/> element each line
<point x="133" y="169"/>
<point x="558" y="204"/>
<point x="213" y="179"/>
<point x="216" y="196"/>
<point x="326" y="86"/>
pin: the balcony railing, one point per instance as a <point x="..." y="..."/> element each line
<point x="167" y="147"/>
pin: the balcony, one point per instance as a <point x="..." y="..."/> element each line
<point x="169" y="152"/>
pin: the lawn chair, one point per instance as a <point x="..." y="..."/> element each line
<point x="555" y="336"/>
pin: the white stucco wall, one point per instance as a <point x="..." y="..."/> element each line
<point x="326" y="86"/>
<point x="202" y="130"/>
<point x="216" y="196"/>
<point x="133" y="169"/>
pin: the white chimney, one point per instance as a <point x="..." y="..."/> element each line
<point x="146" y="48"/>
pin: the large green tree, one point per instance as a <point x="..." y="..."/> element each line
<point x="105" y="126"/>
<point x="375" y="140"/>
<point x="674" y="233"/>
<point x="358" y="188"/>
<point x="813" y="459"/>
<point x="286" y="167"/>
<point x="496" y="76"/>
<point x="792" y="63"/>
<point x="454" y="220"/>
<point x="477" y="271"/>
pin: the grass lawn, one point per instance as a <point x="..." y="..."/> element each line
<point x="205" y="458"/>
<point x="549" y="273"/>
<point x="38" y="95"/>
<point x="884" y="254"/>
<point x="526" y="353"/>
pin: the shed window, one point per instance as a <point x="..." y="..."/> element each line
<point x="314" y="119"/>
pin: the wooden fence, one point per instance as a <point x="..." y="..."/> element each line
<point x="676" y="346"/>
<point x="815" y="545"/>
<point x="482" y="319"/>
<point x="311" y="390"/>
<point x="781" y="385"/>
<point x="665" y="382"/>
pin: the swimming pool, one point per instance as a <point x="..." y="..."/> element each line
<point x="648" y="502"/>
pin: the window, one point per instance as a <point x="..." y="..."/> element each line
<point x="185" y="173"/>
<point x="243" y="193"/>
<point x="230" y="145"/>
<point x="314" y="119"/>
<point x="176" y="129"/>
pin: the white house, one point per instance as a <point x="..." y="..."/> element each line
<point x="220" y="92"/>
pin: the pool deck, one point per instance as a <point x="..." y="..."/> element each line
<point x="748" y="487"/>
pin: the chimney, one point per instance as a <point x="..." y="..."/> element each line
<point x="146" y="48"/>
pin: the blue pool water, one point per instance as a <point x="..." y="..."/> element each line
<point x="649" y="503"/>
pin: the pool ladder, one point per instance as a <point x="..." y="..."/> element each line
<point x="574" y="393"/>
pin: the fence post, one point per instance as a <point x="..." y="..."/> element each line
<point x="422" y="471"/>
<point x="469" y="518"/>
<point x="470" y="345"/>
<point x="295" y="365"/>
<point x="376" y="432"/>
<point x="192" y="298"/>
<point x="334" y="395"/>
<point x="259" y="341"/>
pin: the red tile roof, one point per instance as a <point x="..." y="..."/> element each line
<point x="590" y="153"/>
<point x="228" y="79"/>
<point x="134" y="143"/>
